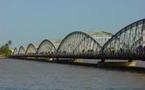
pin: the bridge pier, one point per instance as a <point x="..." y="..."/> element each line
<point x="130" y="63"/>
<point x="78" y="60"/>
<point x="102" y="60"/>
<point x="130" y="60"/>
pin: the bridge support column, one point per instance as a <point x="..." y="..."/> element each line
<point x="130" y="60"/>
<point x="102" y="60"/>
<point x="116" y="64"/>
<point x="78" y="60"/>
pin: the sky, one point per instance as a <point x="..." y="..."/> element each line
<point x="31" y="21"/>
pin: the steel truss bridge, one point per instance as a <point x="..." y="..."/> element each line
<point x="128" y="43"/>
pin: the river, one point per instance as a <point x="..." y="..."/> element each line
<point x="33" y="75"/>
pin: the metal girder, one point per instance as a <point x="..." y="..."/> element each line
<point x="129" y="41"/>
<point x="78" y="43"/>
<point x="21" y="50"/>
<point x="15" y="52"/>
<point x="31" y="49"/>
<point x="46" y="47"/>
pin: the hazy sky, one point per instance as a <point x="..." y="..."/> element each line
<point x="25" y="21"/>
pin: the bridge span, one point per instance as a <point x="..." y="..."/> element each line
<point x="128" y="43"/>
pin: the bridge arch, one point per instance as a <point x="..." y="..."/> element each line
<point x="15" y="52"/>
<point x="21" y="50"/>
<point x="78" y="43"/>
<point x="31" y="49"/>
<point x="127" y="42"/>
<point x="46" y="47"/>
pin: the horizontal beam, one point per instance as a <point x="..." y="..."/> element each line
<point x="142" y="58"/>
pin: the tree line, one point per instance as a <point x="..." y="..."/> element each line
<point x="5" y="49"/>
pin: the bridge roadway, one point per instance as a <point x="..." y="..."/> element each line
<point x="102" y="57"/>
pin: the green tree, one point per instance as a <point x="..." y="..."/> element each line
<point x="5" y="49"/>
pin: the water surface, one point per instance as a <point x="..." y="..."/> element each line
<point x="32" y="75"/>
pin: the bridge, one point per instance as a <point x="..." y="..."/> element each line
<point x="127" y="44"/>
